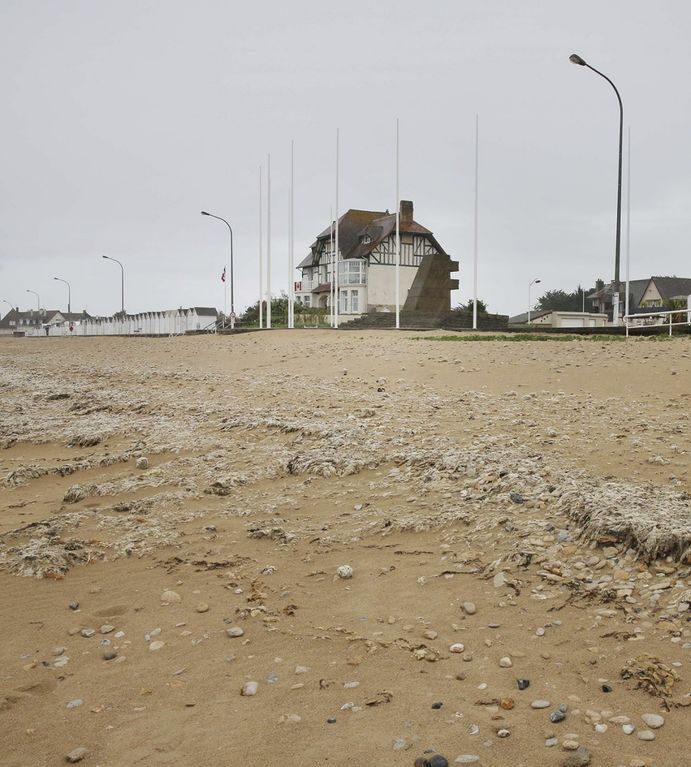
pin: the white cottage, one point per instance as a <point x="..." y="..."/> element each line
<point x="367" y="259"/>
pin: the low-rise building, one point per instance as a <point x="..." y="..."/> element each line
<point x="555" y="318"/>
<point x="367" y="264"/>
<point x="36" y="321"/>
<point x="644" y="295"/>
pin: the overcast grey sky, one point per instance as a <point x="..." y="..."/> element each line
<point x="122" y="120"/>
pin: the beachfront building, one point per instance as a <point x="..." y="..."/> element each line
<point x="35" y="322"/>
<point x="367" y="265"/>
<point x="170" y="322"/>
<point x="644" y="295"/>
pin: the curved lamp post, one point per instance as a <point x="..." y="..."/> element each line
<point x="232" y="281"/>
<point x="530" y="285"/>
<point x="576" y="59"/>
<point x="69" y="293"/>
<point x="38" y="299"/>
<point x="122" y="283"/>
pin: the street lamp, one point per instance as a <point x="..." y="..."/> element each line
<point x="232" y="281"/>
<point x="122" y="283"/>
<point x="530" y="285"/>
<point x="576" y="59"/>
<point x="69" y="293"/>
<point x="38" y="299"/>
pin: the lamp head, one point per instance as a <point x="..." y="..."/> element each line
<point x="574" y="58"/>
<point x="204" y="213"/>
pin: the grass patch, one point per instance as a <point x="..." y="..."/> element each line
<point x="520" y="337"/>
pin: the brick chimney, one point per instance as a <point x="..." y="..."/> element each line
<point x="406" y="213"/>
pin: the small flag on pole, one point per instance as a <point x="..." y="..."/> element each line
<point x="223" y="276"/>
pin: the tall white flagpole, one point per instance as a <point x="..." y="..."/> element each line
<point x="477" y="153"/>
<point x="398" y="237"/>
<point x="628" y="222"/>
<point x="291" y="259"/>
<point x="261" y="255"/>
<point x="268" y="242"/>
<point x="337" y="254"/>
<point x="331" y="259"/>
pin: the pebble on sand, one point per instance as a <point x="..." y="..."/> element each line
<point x="654" y="721"/>
<point x="76" y="755"/>
<point x="540" y="704"/>
<point x="469" y="608"/>
<point x="344" y="571"/>
<point x="156" y="645"/>
<point x="170" y="597"/>
<point x="505" y="662"/>
<point x="457" y="647"/>
<point x="249" y="689"/>
<point x="577" y="759"/>
<point x="234" y="632"/>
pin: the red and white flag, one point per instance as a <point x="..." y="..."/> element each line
<point x="223" y="276"/>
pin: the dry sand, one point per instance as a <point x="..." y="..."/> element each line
<point x="546" y="483"/>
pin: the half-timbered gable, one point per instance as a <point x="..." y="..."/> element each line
<point x="367" y="259"/>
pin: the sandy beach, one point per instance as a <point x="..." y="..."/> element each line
<point x="345" y="548"/>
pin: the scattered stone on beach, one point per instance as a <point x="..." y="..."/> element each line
<point x="249" y="689"/>
<point x="469" y="608"/>
<point x="156" y="645"/>
<point x="169" y="597"/>
<point x="580" y="758"/>
<point x="457" y="647"/>
<point x="234" y="632"/>
<point x="540" y="703"/>
<point x="505" y="662"/>
<point x="654" y="721"/>
<point x="142" y="462"/>
<point x="87" y="632"/>
<point x="76" y="755"/>
<point x="646" y="735"/>
<point x="344" y="571"/>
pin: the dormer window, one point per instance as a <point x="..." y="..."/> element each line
<point x="365" y="239"/>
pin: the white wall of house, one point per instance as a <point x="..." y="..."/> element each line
<point x="651" y="296"/>
<point x="381" y="288"/>
<point x="578" y="320"/>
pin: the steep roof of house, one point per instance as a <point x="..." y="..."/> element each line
<point x="672" y="287"/>
<point x="356" y="226"/>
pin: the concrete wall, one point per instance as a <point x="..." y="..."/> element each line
<point x="381" y="287"/>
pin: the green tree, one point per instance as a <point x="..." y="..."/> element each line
<point x="467" y="308"/>
<point x="561" y="300"/>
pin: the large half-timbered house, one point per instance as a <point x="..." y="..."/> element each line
<point x="366" y="265"/>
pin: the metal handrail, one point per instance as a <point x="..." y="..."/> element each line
<point x="669" y="313"/>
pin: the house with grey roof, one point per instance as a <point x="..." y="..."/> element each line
<point x="32" y="321"/>
<point x="367" y="261"/>
<point x="644" y="295"/>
